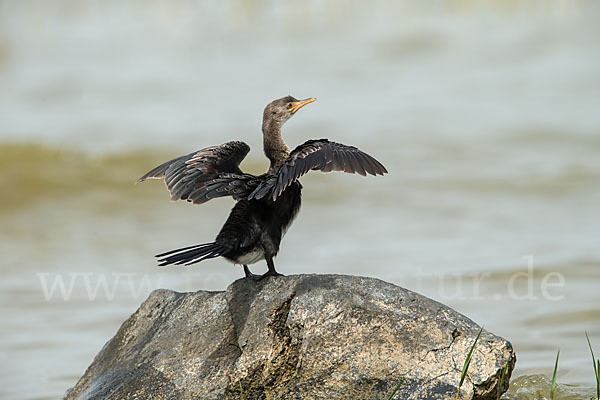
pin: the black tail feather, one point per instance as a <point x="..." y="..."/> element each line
<point x="191" y="255"/>
<point x="178" y="250"/>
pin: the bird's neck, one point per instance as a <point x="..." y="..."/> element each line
<point x="275" y="148"/>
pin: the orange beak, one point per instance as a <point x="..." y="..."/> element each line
<point x="295" y="106"/>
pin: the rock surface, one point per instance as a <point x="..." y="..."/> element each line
<point x="295" y="337"/>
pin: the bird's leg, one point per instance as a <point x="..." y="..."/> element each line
<point x="271" y="271"/>
<point x="250" y="274"/>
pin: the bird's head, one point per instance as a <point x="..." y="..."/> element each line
<point x="281" y="110"/>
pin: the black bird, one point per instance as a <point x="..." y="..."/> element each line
<point x="266" y="204"/>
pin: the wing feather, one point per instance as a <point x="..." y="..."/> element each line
<point x="369" y="165"/>
<point x="206" y="174"/>
<point x="347" y="163"/>
<point x="320" y="155"/>
<point x="357" y="164"/>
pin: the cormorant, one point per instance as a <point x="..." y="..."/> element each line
<point x="266" y="204"/>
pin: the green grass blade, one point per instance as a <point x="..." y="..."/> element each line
<point x="553" y="386"/>
<point x="596" y="367"/>
<point x="396" y="389"/>
<point x="467" y="363"/>
<point x="598" y="382"/>
<point x="241" y="391"/>
<point x="592" y="352"/>
<point x="501" y="384"/>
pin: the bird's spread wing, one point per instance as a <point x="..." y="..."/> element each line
<point x="321" y="155"/>
<point x="206" y="174"/>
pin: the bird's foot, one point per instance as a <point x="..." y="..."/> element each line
<point x="270" y="273"/>
<point x="250" y="275"/>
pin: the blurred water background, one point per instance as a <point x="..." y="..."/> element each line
<point x="486" y="114"/>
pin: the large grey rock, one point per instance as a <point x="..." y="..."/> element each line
<point x="295" y="337"/>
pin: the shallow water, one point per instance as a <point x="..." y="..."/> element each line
<point x="537" y="387"/>
<point x="485" y="115"/>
